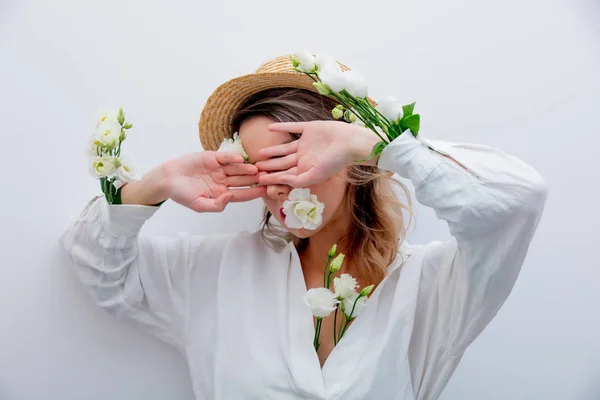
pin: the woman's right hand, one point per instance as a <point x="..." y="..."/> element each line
<point x="207" y="181"/>
<point x="204" y="182"/>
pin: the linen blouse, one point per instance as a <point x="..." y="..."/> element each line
<point x="233" y="306"/>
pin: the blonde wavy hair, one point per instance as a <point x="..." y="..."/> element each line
<point x="377" y="225"/>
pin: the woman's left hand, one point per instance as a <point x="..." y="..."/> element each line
<point x="324" y="149"/>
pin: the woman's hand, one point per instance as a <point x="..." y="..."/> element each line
<point x="203" y="181"/>
<point x="324" y="149"/>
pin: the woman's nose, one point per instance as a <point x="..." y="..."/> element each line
<point x="276" y="192"/>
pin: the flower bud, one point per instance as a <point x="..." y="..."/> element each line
<point x="336" y="264"/>
<point x="332" y="250"/>
<point x="349" y="116"/>
<point x="366" y="291"/>
<point x="121" y="116"/>
<point x="337" y="113"/>
<point x="294" y="61"/>
<point x="322" y="88"/>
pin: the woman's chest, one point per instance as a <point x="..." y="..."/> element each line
<point x="256" y="339"/>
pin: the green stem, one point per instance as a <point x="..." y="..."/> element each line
<point x="337" y="307"/>
<point x="325" y="277"/>
<point x="317" y="333"/>
<point x="358" y="106"/>
<point x="343" y="328"/>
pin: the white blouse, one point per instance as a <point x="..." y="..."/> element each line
<point x="234" y="306"/>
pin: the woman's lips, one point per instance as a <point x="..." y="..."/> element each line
<point x="282" y="213"/>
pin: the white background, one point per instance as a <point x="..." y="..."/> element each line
<point x="523" y="76"/>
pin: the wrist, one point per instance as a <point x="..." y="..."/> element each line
<point x="152" y="189"/>
<point x="361" y="146"/>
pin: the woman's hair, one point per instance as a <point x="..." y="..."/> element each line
<point x="377" y="223"/>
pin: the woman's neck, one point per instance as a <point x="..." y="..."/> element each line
<point x="314" y="255"/>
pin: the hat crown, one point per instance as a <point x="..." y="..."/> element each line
<point x="284" y="64"/>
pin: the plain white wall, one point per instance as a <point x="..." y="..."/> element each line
<point x="522" y="76"/>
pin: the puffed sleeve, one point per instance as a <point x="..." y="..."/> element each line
<point x="145" y="279"/>
<point x="492" y="203"/>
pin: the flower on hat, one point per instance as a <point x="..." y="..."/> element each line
<point x="388" y="120"/>
<point x="234" y="145"/>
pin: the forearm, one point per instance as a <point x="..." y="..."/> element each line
<point x="152" y="189"/>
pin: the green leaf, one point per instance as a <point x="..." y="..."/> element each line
<point x="408" y="109"/>
<point x="128" y="126"/>
<point x="378" y="148"/>
<point x="121" y="116"/>
<point x="412" y="122"/>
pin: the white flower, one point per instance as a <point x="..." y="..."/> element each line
<point x="330" y="73"/>
<point x="345" y="286"/>
<point x="348" y="303"/>
<point x="109" y="133"/>
<point x="307" y="62"/>
<point x="333" y="79"/>
<point x="321" y="301"/>
<point x="103" y="166"/>
<point x="303" y="210"/>
<point x="324" y="61"/>
<point x="234" y="145"/>
<point x="92" y="148"/>
<point x="356" y="84"/>
<point x="127" y="172"/>
<point x="104" y="116"/>
<point x="391" y="108"/>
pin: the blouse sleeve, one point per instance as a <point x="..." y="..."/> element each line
<point x="140" y="278"/>
<point x="492" y="203"/>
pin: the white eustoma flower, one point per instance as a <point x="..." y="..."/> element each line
<point x="391" y="108"/>
<point x="330" y="73"/>
<point x="345" y="286"/>
<point x="92" y="149"/>
<point x="109" y="133"/>
<point x="307" y="61"/>
<point x="321" y="301"/>
<point x="104" y="116"/>
<point x="103" y="166"/>
<point x="234" y="145"/>
<point x="127" y="172"/>
<point x="348" y="303"/>
<point x="303" y="210"/>
<point x="355" y="83"/>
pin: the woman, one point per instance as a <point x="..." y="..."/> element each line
<point x="233" y="304"/>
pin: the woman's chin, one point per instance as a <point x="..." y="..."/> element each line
<point x="302" y="233"/>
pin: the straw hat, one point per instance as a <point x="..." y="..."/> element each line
<point x="215" y="120"/>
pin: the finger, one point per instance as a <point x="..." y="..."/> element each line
<point x="280" y="150"/>
<point x="305" y="179"/>
<point x="225" y="158"/>
<point x="240" y="169"/>
<point x="240" y="195"/>
<point x="290" y="127"/>
<point x="278" y="164"/>
<point x="241" y="180"/>
<point x="274" y="178"/>
<point x="204" y="204"/>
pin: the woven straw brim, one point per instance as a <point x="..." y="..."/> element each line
<point x="216" y="117"/>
